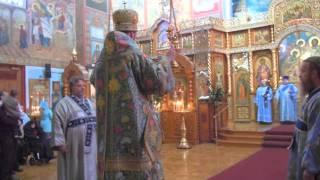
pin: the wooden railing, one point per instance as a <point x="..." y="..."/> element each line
<point x="217" y="118"/>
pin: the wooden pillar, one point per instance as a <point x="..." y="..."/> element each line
<point x="249" y="38"/>
<point x="251" y="72"/>
<point x="229" y="73"/>
<point x="230" y="106"/>
<point x="272" y="34"/>
<point x="191" y="105"/>
<point x="252" y="90"/>
<point x="210" y="72"/>
<point x="228" y="41"/>
<point x="274" y="68"/>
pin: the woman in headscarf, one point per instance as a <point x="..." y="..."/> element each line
<point x="46" y="125"/>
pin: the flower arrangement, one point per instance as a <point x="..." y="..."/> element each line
<point x="216" y="95"/>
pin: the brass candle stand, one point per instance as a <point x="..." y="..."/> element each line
<point x="183" y="144"/>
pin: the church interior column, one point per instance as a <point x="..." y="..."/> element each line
<point x="230" y="110"/>
<point x="210" y="60"/>
<point x="272" y="34"/>
<point x="252" y="90"/>
<point x="274" y="68"/>
<point x="228" y="40"/>
<point x="275" y="83"/>
<point x="249" y="38"/>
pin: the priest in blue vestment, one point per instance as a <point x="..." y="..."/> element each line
<point x="286" y="95"/>
<point x="263" y="102"/>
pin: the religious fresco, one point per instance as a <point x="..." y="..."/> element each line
<point x="201" y="61"/>
<point x="218" y="39"/>
<point x="258" y="6"/>
<point x="261" y="36"/>
<point x="202" y="79"/>
<point x="251" y="6"/>
<point x="202" y="8"/>
<point x="294" y="49"/>
<point x="180" y="93"/>
<point x="5" y="28"/>
<point x="15" y="3"/>
<point x="239" y="39"/>
<point x="19" y="28"/>
<point x="241" y="86"/>
<point x="241" y="78"/>
<point x="162" y="39"/>
<point x="97" y="31"/>
<point x="159" y="8"/>
<point x="137" y="5"/>
<point x="52" y="29"/>
<point x="262" y="67"/>
<point x="219" y="73"/>
<point x="201" y="40"/>
<point x="297" y="10"/>
<point x="98" y="4"/>
<point x="186" y="41"/>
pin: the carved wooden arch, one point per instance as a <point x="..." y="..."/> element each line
<point x="155" y="33"/>
<point x="184" y="66"/>
<point x="156" y="24"/>
<point x="272" y="7"/>
<point x="296" y="28"/>
<point x="75" y="69"/>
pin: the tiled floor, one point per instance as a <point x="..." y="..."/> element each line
<point x="200" y="162"/>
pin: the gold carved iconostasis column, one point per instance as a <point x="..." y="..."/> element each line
<point x="229" y="91"/>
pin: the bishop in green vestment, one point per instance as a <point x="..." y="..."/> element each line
<point x="129" y="133"/>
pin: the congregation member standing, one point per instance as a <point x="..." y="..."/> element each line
<point x="263" y="102"/>
<point x="46" y="125"/>
<point x="74" y="134"/>
<point x="9" y="117"/>
<point x="304" y="162"/>
<point x="286" y="95"/>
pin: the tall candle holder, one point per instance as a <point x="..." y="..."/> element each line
<point x="179" y="108"/>
<point x="183" y="144"/>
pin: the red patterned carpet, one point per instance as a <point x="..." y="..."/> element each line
<point x="266" y="164"/>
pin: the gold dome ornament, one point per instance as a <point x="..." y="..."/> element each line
<point x="125" y="20"/>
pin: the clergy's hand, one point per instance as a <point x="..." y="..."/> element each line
<point x="62" y="148"/>
<point x="308" y="176"/>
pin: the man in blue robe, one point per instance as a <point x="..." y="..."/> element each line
<point x="263" y="101"/>
<point x="286" y="95"/>
<point x="304" y="162"/>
